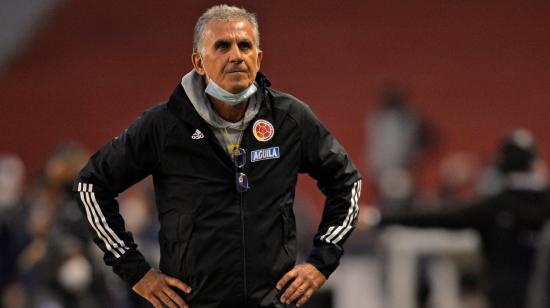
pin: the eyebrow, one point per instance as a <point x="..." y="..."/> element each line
<point x="219" y="42"/>
<point x="247" y="41"/>
<point x="244" y="40"/>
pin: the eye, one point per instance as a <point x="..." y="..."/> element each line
<point x="245" y="45"/>
<point x="222" y="45"/>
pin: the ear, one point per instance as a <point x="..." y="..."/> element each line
<point x="197" y="63"/>
<point x="260" y="57"/>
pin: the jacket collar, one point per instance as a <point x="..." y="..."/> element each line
<point x="180" y="104"/>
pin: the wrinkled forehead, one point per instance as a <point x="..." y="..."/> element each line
<point x="238" y="29"/>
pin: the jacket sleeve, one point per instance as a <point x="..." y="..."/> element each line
<point x="122" y="162"/>
<point x="324" y="159"/>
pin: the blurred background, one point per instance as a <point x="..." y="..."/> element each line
<point x="420" y="93"/>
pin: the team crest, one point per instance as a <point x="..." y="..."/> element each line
<point x="263" y="130"/>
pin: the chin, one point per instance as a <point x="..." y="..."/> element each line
<point x="236" y="88"/>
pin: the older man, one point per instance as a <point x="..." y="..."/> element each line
<point x="225" y="152"/>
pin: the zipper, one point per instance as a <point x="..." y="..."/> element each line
<point x="243" y="229"/>
<point x="243" y="243"/>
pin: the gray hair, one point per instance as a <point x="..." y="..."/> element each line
<point x="223" y="13"/>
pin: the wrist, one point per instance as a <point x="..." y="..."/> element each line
<point x="325" y="258"/>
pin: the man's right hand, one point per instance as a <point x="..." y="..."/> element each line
<point x="155" y="287"/>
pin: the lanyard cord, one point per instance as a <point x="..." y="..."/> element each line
<point x="228" y="140"/>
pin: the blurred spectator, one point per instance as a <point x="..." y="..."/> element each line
<point x="509" y="222"/>
<point x="396" y="136"/>
<point x="47" y="259"/>
<point x="12" y="173"/>
<point x="56" y="266"/>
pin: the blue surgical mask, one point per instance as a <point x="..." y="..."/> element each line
<point x="218" y="92"/>
<point x="223" y="95"/>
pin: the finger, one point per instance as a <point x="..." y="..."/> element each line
<point x="175" y="298"/>
<point x="301" y="290"/>
<point x="166" y="300"/>
<point x="178" y="284"/>
<point x="154" y="301"/>
<point x="286" y="278"/>
<point x="305" y="297"/>
<point x="291" y="289"/>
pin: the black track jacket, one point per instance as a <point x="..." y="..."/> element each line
<point x="230" y="247"/>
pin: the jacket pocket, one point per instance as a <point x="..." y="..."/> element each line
<point x="289" y="231"/>
<point x="174" y="237"/>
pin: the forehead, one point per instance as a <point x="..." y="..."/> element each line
<point x="228" y="30"/>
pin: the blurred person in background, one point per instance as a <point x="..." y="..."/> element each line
<point x="509" y="223"/>
<point x="57" y="266"/>
<point x="12" y="172"/>
<point x="225" y="152"/>
<point x="396" y="139"/>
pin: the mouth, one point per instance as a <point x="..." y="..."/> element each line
<point x="237" y="71"/>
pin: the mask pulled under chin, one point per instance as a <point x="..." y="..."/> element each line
<point x="218" y="92"/>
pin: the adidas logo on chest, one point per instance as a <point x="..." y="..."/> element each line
<point x="197" y="135"/>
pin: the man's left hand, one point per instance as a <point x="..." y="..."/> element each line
<point x="306" y="279"/>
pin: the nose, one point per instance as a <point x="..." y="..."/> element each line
<point x="235" y="54"/>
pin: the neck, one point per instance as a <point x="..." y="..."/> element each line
<point x="228" y="112"/>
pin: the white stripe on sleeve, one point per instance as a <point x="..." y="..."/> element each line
<point x="85" y="200"/>
<point x="327" y="234"/>
<point x="335" y="234"/>
<point x="356" y="212"/>
<point x="104" y="221"/>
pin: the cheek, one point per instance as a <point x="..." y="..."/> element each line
<point x="254" y="63"/>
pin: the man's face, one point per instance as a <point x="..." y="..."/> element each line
<point x="229" y="55"/>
